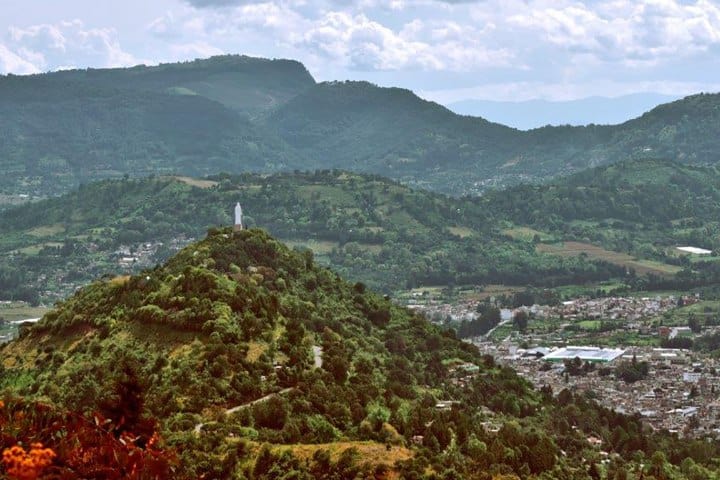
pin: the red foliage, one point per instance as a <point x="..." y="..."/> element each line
<point x="22" y="465"/>
<point x="78" y="447"/>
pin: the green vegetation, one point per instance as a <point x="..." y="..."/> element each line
<point x="632" y="371"/>
<point x="66" y="128"/>
<point x="240" y="114"/>
<point x="367" y="228"/>
<point x="615" y="229"/>
<point x="171" y="345"/>
<point x="632" y="214"/>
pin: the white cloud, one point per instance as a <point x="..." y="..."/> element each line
<point x="630" y="32"/>
<point x="54" y="46"/>
<point x="10" y="62"/>
<point x="197" y="50"/>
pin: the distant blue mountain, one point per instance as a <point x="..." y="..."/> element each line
<point x="531" y="114"/>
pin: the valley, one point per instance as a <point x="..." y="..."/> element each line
<point x="401" y="293"/>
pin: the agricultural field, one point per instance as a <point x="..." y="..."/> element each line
<point x="11" y="312"/>
<point x="528" y="234"/>
<point x="593" y="252"/>
<point x="462" y="232"/>
<point x="195" y="182"/>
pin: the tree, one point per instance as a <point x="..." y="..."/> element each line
<point x="694" y="324"/>
<point x="520" y="320"/>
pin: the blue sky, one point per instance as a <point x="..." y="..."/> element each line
<point x="446" y="50"/>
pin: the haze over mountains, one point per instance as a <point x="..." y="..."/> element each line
<point x="529" y="114"/>
<point x="238" y="114"/>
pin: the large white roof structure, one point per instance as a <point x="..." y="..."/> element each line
<point x="586" y="354"/>
<point x="695" y="250"/>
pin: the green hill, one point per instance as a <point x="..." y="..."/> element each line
<point x="646" y="208"/>
<point x="366" y="228"/>
<point x="239" y="114"/>
<point x="391" y="131"/>
<point x="253" y="362"/>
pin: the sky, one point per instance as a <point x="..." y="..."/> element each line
<point x="445" y="50"/>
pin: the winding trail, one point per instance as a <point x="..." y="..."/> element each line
<point x="230" y="411"/>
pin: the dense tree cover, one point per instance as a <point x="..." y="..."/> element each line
<point x="633" y="193"/>
<point x="236" y="114"/>
<point x="70" y="127"/>
<point x="231" y="321"/>
<point x="367" y="228"/>
<point x="488" y="318"/>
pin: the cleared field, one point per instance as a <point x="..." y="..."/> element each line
<point x="46" y="230"/>
<point x="496" y="291"/>
<point x="35" y="249"/>
<point x="527" y="234"/>
<point x="461" y="232"/>
<point x="593" y="252"/>
<point x="321" y="247"/>
<point x="589" y="324"/>
<point x="17" y="311"/>
<point x="196" y="182"/>
<point x="372" y="452"/>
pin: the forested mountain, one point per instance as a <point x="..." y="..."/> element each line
<point x="240" y="358"/>
<point x="68" y="127"/>
<point x="367" y="228"/>
<point x="239" y="114"/>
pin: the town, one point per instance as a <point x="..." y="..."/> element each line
<point x="587" y="345"/>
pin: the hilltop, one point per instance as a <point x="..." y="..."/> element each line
<point x="254" y="362"/>
<point x="237" y="114"/>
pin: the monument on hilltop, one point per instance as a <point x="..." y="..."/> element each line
<point x="238" y="218"/>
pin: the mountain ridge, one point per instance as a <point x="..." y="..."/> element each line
<point x="239" y="114"/>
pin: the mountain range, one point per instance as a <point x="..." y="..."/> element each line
<point x="239" y="114"/>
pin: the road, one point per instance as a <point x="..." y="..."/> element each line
<point x="230" y="411"/>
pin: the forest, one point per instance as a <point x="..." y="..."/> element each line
<point x="366" y="228"/>
<point x="239" y="114"/>
<point x="176" y="358"/>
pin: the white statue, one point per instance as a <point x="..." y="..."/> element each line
<point x="238" y="217"/>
